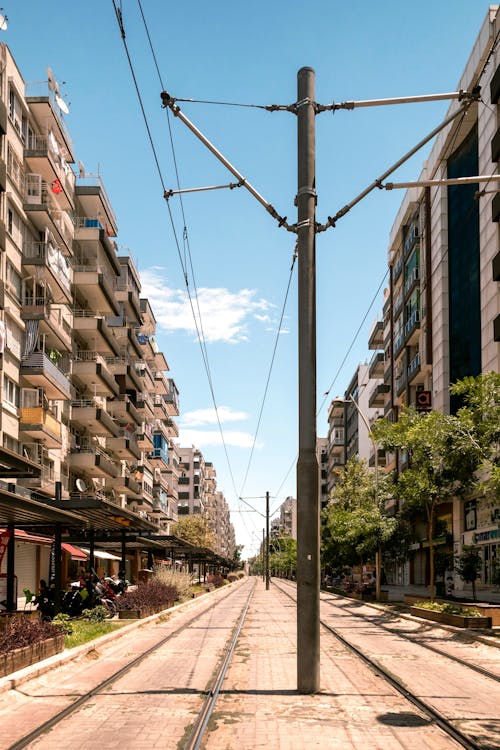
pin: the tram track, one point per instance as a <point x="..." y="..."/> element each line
<point x="447" y="725"/>
<point x="200" y="725"/>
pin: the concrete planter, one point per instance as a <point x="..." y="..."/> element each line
<point x="23" y="657"/>
<point x="484" y="608"/>
<point x="139" y="614"/>
<point x="458" y="621"/>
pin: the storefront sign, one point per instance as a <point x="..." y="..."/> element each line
<point x="486" y="536"/>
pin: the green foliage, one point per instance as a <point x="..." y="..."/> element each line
<point x="84" y="631"/>
<point x="63" y="622"/>
<point x="468" y="565"/>
<point x="194" y="529"/>
<point x="480" y="416"/>
<point x="96" y="614"/>
<point x="283" y="555"/>
<point x="355" y="522"/>
<point x="447" y="608"/>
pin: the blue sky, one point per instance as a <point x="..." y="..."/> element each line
<point x="248" y="53"/>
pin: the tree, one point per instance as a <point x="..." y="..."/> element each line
<point x="194" y="529"/>
<point x="356" y="526"/>
<point x="468" y="566"/>
<point x="283" y="555"/>
<point x="238" y="549"/>
<point x="442" y="460"/>
<point x="480" y="416"/>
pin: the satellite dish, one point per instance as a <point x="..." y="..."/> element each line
<point x="51" y="79"/>
<point x="3" y="21"/>
<point x="62" y="104"/>
<point x="80" y="485"/>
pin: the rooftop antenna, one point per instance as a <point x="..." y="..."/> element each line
<point x="3" y="20"/>
<point x="54" y="86"/>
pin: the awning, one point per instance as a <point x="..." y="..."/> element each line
<point x="23" y="536"/>
<point x="99" y="553"/>
<point x="75" y="552"/>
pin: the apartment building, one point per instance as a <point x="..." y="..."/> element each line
<point x="198" y="495"/>
<point x="85" y="391"/>
<point x="441" y="309"/>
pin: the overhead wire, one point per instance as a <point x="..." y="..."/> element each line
<point x="119" y="18"/>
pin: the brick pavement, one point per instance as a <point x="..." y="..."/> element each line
<point x="259" y="706"/>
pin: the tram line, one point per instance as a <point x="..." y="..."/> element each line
<point x="201" y="723"/>
<point x="437" y="717"/>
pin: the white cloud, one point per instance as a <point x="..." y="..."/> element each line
<point x="202" y="438"/>
<point x="200" y="417"/>
<point x="224" y="314"/>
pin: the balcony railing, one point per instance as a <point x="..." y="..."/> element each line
<point x="411" y="279"/>
<point x="412" y="322"/>
<point x="414" y="366"/>
<point x="39" y="415"/>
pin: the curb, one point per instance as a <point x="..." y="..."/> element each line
<point x="15" y="679"/>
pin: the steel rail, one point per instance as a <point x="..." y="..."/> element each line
<point x="196" y="737"/>
<point x="410" y="639"/>
<point x="441" y="721"/>
<point x="72" y="707"/>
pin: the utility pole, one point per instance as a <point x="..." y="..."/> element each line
<point x="263" y="555"/>
<point x="308" y="562"/>
<point x="267" y="541"/>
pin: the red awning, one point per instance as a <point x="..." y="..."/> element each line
<point x="23" y="536"/>
<point x="75" y="552"/>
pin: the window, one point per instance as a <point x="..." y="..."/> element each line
<point x="10" y="391"/>
<point x="15" y="226"/>
<point x="13" y="281"/>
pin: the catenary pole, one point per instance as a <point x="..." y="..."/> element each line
<point x="308" y="563"/>
<point x="267" y="541"/>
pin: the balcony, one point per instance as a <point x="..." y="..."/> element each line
<point x="144" y="437"/>
<point x="125" y="374"/>
<point x="399" y="342"/>
<point x="124" y="447"/>
<point x="90" y="415"/>
<point x="94" y="331"/>
<point x="380" y="457"/>
<point x="377" y="396"/>
<point x="145" y="405"/>
<point x="46" y="112"/>
<point x="376" y="338"/>
<point x="93" y="461"/>
<point x="414" y="367"/>
<point x="411" y="281"/>
<point x="43" y="159"/>
<point x="398" y="267"/>
<point x="89" y="232"/>
<point x="45" y="213"/>
<point x="411" y="239"/>
<point x="172" y="399"/>
<point x="47" y="263"/>
<point x="123" y="410"/>
<point x="400" y="384"/>
<point x="125" y="484"/>
<point x="45" y="484"/>
<point x="91" y="372"/>
<point x="40" y="424"/>
<point x="52" y="323"/>
<point x="159" y="458"/>
<point x="94" y="200"/>
<point x="128" y="294"/>
<point x="96" y="287"/>
<point x="376" y="367"/>
<point x="412" y="328"/>
<point x="40" y="371"/>
<point x="398" y="304"/>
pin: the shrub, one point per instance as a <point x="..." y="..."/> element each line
<point x="176" y="578"/>
<point x="96" y="614"/>
<point x="449" y="609"/>
<point x="232" y="577"/>
<point x="216" y="579"/>
<point x="240" y="574"/>
<point x="23" y="631"/>
<point x="154" y="594"/>
<point x="63" y="622"/>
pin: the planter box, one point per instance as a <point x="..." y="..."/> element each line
<point x="458" y="621"/>
<point x="33" y="614"/>
<point x="139" y="614"/>
<point x="23" y="657"/>
<point x="485" y="609"/>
